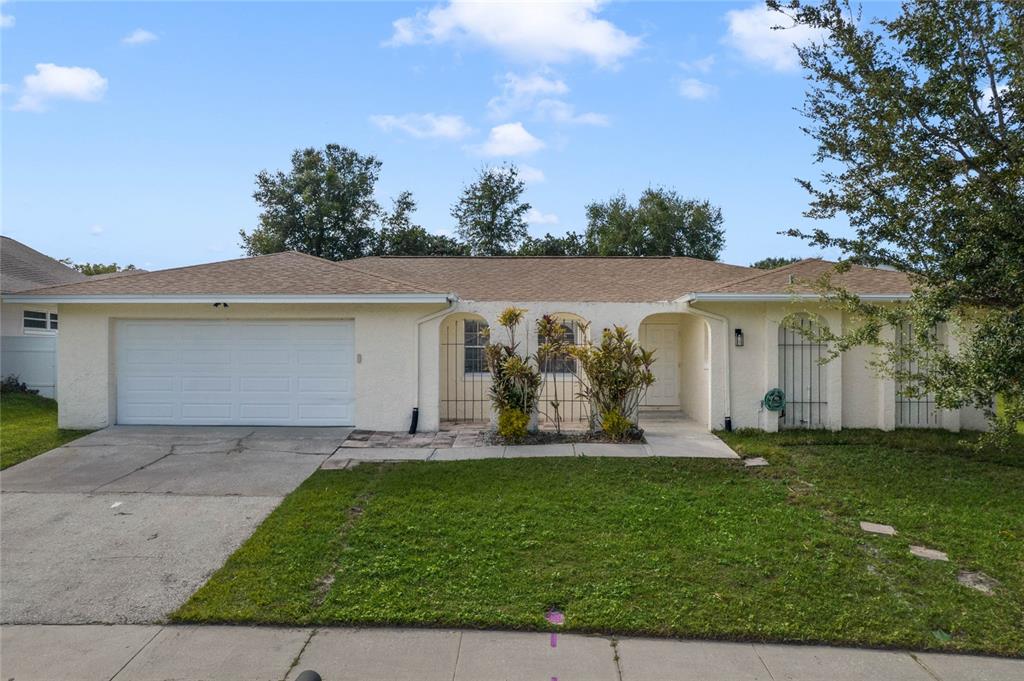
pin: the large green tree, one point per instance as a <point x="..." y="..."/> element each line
<point x="919" y="124"/>
<point x="491" y="214"/>
<point x="660" y="223"/>
<point x="569" y="244"/>
<point x="92" y="268"/>
<point x="399" y="235"/>
<point x="324" y="206"/>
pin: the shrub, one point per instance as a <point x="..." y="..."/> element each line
<point x="618" y="373"/>
<point x="512" y="425"/>
<point x="552" y="346"/>
<point x="13" y="384"/>
<point x="617" y="427"/>
<point x="515" y="382"/>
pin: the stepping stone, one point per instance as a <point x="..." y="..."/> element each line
<point x="755" y="461"/>
<point x="978" y="581"/>
<point x="887" y="530"/>
<point x="930" y="554"/>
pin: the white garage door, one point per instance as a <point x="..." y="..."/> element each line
<point x="288" y="373"/>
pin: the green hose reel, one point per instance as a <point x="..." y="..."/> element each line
<point x="774" y="400"/>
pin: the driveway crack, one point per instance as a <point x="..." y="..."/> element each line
<point x="132" y="472"/>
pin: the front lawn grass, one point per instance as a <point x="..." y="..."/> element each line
<point x="28" y="427"/>
<point x="665" y="547"/>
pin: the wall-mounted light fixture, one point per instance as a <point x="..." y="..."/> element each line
<point x="739" y="338"/>
<point x="224" y="305"/>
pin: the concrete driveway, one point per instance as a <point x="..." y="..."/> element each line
<point x="123" y="525"/>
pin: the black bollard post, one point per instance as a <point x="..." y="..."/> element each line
<point x="308" y="675"/>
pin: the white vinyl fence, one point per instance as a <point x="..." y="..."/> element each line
<point x="33" y="359"/>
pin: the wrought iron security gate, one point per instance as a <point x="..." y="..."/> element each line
<point x="801" y="375"/>
<point x="466" y="383"/>
<point x="917" y="411"/>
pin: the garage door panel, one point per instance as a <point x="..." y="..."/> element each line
<point x="324" y="384"/>
<point x="203" y="384"/>
<point x="190" y="410"/>
<point x="150" y="410"/>
<point x="209" y="373"/>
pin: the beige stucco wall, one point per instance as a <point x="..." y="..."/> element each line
<point x="388" y="367"/>
<point x="857" y="396"/>
<point x="399" y="363"/>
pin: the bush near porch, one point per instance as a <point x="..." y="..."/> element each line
<point x="664" y="547"/>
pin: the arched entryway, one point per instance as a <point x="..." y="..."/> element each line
<point x="682" y="366"/>
<point x="465" y="382"/>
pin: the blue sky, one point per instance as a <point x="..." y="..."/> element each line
<point x="132" y="131"/>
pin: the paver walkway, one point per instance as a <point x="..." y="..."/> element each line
<point x="197" y="653"/>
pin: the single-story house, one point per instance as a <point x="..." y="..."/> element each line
<point x="290" y="339"/>
<point x="28" y="331"/>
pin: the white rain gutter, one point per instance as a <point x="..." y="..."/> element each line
<point x="230" y="298"/>
<point x="452" y="302"/>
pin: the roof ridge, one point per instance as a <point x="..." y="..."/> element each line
<point x="763" y="273"/>
<point x="174" y="269"/>
<point x="347" y="265"/>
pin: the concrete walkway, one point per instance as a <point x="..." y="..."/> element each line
<point x="668" y="434"/>
<point x="215" y="653"/>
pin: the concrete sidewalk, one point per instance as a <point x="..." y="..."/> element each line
<point x="217" y="653"/>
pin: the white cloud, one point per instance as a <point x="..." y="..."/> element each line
<point x="535" y="217"/>
<point x="423" y="126"/>
<point x="751" y="33"/>
<point x="692" y="88"/>
<point x="530" y="174"/>
<point x="6" y="21"/>
<point x="510" y="139"/>
<point x="139" y="36"/>
<point x="535" y="32"/>
<point x="95" y="230"/>
<point x="702" y="65"/>
<point x="60" y="82"/>
<point x="520" y="92"/>
<point x="538" y="92"/>
<point x="562" y="112"/>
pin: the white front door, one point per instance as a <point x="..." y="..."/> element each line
<point x="664" y="340"/>
<point x="193" y="372"/>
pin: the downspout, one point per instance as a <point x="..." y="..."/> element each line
<point x="689" y="299"/>
<point x="452" y="301"/>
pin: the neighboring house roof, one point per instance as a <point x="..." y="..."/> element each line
<point x="280" y="274"/>
<point x="23" y="268"/>
<point x="556" y="278"/>
<point x="801" y="277"/>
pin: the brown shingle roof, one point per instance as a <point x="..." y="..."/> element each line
<point x="570" y="279"/>
<point x="23" y="268"/>
<point x="287" y="273"/>
<point x="799" y="277"/>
